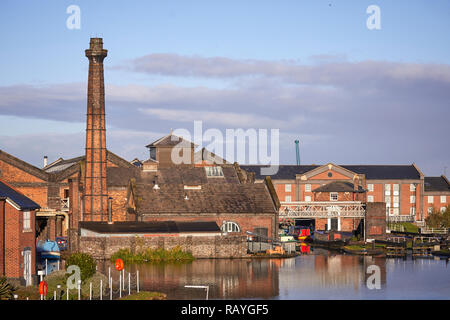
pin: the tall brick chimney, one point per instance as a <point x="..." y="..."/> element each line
<point x="95" y="191"/>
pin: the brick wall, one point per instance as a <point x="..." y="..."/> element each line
<point x="200" y="246"/>
<point x="375" y="220"/>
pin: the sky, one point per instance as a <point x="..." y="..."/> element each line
<point x="311" y="69"/>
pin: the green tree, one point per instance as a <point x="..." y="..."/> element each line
<point x="439" y="219"/>
<point x="85" y="262"/>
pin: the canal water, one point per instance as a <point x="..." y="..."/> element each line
<point x="321" y="274"/>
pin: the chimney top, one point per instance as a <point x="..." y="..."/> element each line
<point x="96" y="44"/>
<point x="96" y="49"/>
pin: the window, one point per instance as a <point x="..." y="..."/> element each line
<point x="443" y="199"/>
<point x="396" y="188"/>
<point x="230" y="226"/>
<point x="412" y="187"/>
<point x="287" y="188"/>
<point x="370" y="187"/>
<point x="308" y="198"/>
<point x="307" y="187"/>
<point x="387" y="189"/>
<point x="412" y="199"/>
<point x="443" y="209"/>
<point x="412" y="211"/>
<point x="369" y="198"/>
<point x="388" y="201"/>
<point x="333" y="196"/>
<point x="430" y="210"/>
<point x="395" y="211"/>
<point x="288" y="199"/>
<point x="430" y="199"/>
<point x="26" y="221"/>
<point x="214" y="171"/>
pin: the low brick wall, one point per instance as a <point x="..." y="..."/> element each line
<point x="200" y="246"/>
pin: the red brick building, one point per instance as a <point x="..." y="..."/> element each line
<point x="17" y="235"/>
<point x="437" y="194"/>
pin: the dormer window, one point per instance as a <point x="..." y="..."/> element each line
<point x="214" y="171"/>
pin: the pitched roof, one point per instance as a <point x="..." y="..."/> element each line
<point x="22" y="201"/>
<point x="436" y="184"/>
<point x="151" y="227"/>
<point x="22" y="165"/>
<point x="170" y="140"/>
<point x="338" y="186"/>
<point x="211" y="198"/>
<point x="372" y="172"/>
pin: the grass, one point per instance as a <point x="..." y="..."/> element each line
<point x="362" y="247"/>
<point x="153" y="255"/>
<point x="146" y="295"/>
<point x="406" y="226"/>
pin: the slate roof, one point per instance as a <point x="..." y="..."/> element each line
<point x="151" y="227"/>
<point x="372" y="172"/>
<point x="18" y="198"/>
<point x="117" y="176"/>
<point x="436" y="184"/>
<point x="170" y="140"/>
<point x="212" y="198"/>
<point x="338" y="186"/>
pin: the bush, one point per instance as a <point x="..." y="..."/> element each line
<point x="85" y="262"/>
<point x="439" y="219"/>
<point x="6" y="289"/>
<point x="153" y="255"/>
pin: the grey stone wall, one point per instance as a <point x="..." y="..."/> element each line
<point x="200" y="246"/>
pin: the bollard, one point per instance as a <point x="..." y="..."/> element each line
<point x="109" y="275"/>
<point x="90" y="290"/>
<point x="58" y="265"/>
<point x="46" y="267"/>
<point x="129" y="283"/>
<point x="67" y="297"/>
<point x="54" y="295"/>
<point x="120" y="285"/>
<point x="79" y="289"/>
<point x="123" y="278"/>
<point x="110" y="289"/>
<point x="59" y="291"/>
<point x="137" y="281"/>
<point x="101" y="289"/>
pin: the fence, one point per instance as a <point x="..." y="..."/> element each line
<point x="125" y="285"/>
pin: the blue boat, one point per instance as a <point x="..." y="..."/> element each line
<point x="48" y="250"/>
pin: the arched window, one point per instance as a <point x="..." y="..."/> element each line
<point x="230" y="226"/>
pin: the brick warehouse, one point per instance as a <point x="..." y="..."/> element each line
<point x="17" y="235"/>
<point x="403" y="188"/>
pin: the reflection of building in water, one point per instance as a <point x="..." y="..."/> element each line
<point x="227" y="279"/>
<point x="328" y="271"/>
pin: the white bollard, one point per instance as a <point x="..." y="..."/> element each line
<point x="67" y="297"/>
<point x="90" y="290"/>
<point x="54" y="295"/>
<point x="58" y="265"/>
<point x="79" y="289"/>
<point x="137" y="281"/>
<point x="120" y="285"/>
<point x="110" y="289"/>
<point x="46" y="267"/>
<point x="123" y="278"/>
<point x="129" y="283"/>
<point x="109" y="275"/>
<point x="101" y="289"/>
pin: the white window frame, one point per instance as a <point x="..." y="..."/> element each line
<point x="369" y="198"/>
<point x="308" y="198"/>
<point x="443" y="199"/>
<point x="370" y="187"/>
<point x="214" y="172"/>
<point x="412" y="199"/>
<point x="396" y="189"/>
<point x="26" y="221"/>
<point x="287" y="187"/>
<point x="412" y="211"/>
<point x="307" y="187"/>
<point x="430" y="210"/>
<point x="430" y="199"/>
<point x="395" y="211"/>
<point x="412" y="187"/>
<point x="387" y="189"/>
<point x="334" y="194"/>
<point x="230" y="227"/>
<point x="288" y="199"/>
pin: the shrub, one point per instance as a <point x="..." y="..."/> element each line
<point x="439" y="219"/>
<point x="6" y="289"/>
<point x="153" y="255"/>
<point x="85" y="262"/>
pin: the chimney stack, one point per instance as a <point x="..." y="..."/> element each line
<point x="95" y="189"/>
<point x="45" y="161"/>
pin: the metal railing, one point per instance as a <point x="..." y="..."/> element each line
<point x="322" y="209"/>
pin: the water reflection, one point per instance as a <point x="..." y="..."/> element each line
<point x="317" y="275"/>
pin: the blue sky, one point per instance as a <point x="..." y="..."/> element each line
<point x="351" y="95"/>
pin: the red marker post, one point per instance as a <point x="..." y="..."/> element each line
<point x="119" y="264"/>
<point x="43" y="289"/>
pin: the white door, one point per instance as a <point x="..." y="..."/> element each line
<point x="27" y="267"/>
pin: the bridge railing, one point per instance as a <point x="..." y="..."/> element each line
<point x="322" y="209"/>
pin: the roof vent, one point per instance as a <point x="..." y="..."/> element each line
<point x="186" y="197"/>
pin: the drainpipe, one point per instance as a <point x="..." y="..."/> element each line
<point x="110" y="210"/>
<point x="4" y="238"/>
